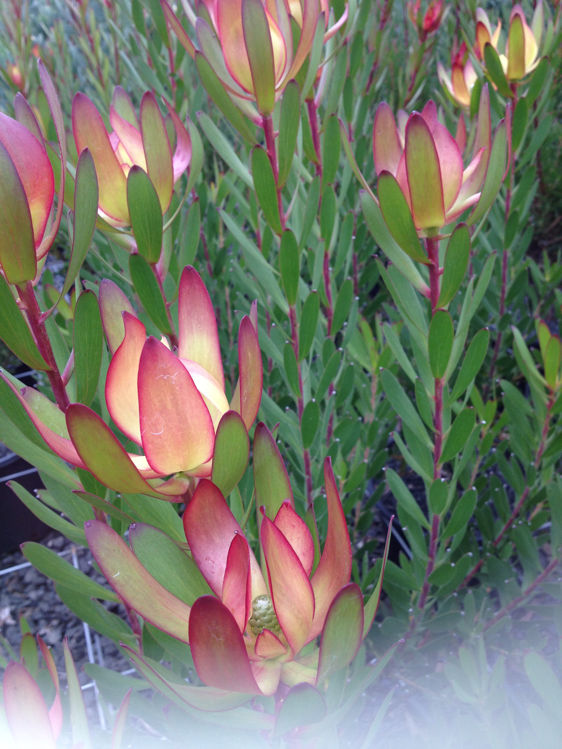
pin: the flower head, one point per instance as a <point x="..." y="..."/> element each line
<point x="430" y="21"/>
<point x="426" y="161"/>
<point x="255" y="47"/>
<point x="520" y="54"/>
<point x="460" y="81"/>
<point x="257" y="625"/>
<point x="169" y="403"/>
<point x="134" y="141"/>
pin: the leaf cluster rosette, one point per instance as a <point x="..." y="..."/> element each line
<point x="255" y="47"/>
<point x="170" y="403"/>
<point x="160" y="146"/>
<point x="257" y="627"/>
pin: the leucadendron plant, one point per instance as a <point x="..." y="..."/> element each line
<point x="258" y="623"/>
<point x="198" y="260"/>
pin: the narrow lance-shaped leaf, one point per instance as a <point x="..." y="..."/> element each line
<point x="157" y="150"/>
<point x="291" y="591"/>
<point x="257" y="38"/>
<point x="134" y="584"/>
<point x="343" y="631"/>
<point x="271" y="479"/>
<point x="145" y="213"/>
<point x="88" y="343"/>
<point x="424" y="177"/>
<point x="440" y="342"/>
<point x="334" y="567"/>
<point x="231" y="453"/>
<point x="398" y="218"/>
<point x="17" y="248"/>
<point x="78" y="717"/>
<point x="266" y="191"/>
<point x="149" y="292"/>
<point x="288" y="130"/>
<point x="86" y="196"/>
<point x="456" y="263"/>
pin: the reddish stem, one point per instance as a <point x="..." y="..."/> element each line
<point x="267" y="124"/>
<point x="432" y="247"/>
<point x="37" y="327"/>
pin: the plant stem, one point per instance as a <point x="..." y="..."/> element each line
<point x="267" y="124"/>
<point x="39" y="332"/>
<point x="432" y="247"/>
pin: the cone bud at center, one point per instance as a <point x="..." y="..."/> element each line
<point x="263" y="616"/>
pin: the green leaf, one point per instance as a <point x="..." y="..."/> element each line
<point x="473" y="360"/>
<point x="271" y="480"/>
<point x="403" y="406"/>
<point x="88" y="346"/>
<point x="134" y="584"/>
<point x="60" y="571"/>
<point x="289" y="265"/>
<point x="552" y="358"/>
<point x="437" y="499"/>
<point x="96" y="615"/>
<point x="405" y="498"/>
<point x="328" y="210"/>
<point x="342" y="306"/>
<point x="264" y="185"/>
<point x="456" y="263"/>
<point x="329" y="374"/>
<point x="310" y="211"/>
<point x="398" y="217"/>
<point x="288" y="130"/>
<point x="78" y="717"/>
<point x="462" y="512"/>
<point x="301" y="706"/>
<point x="216" y="91"/>
<point x="387" y="243"/>
<point x="331" y="145"/>
<point x="527" y="363"/>
<point x="160" y="555"/>
<point x="458" y="434"/>
<point x="48" y="516"/>
<point x="86" y="196"/>
<point x="291" y="368"/>
<point x="342" y="632"/>
<point x="308" y="323"/>
<point x="440" y="342"/>
<point x="495" y="71"/>
<point x="519" y="123"/>
<point x="309" y="423"/>
<point x="257" y="38"/>
<point x="15" y="332"/>
<point x="224" y="149"/>
<point x="147" y="288"/>
<point x="145" y="213"/>
<point x="494" y="175"/>
<point x="17" y="246"/>
<point x="231" y="453"/>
